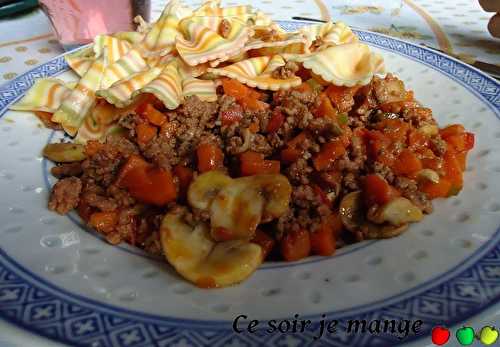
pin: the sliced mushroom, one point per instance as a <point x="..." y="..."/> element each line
<point x="243" y="204"/>
<point x="352" y="214"/>
<point x="204" y="262"/>
<point x="205" y="187"/>
<point x="397" y="212"/>
<point x="64" y="152"/>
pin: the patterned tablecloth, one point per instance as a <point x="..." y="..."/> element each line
<point x="456" y="27"/>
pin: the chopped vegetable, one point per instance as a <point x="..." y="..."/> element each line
<point x="328" y="154"/>
<point x="253" y="163"/>
<point x="210" y="157"/>
<point x="232" y="115"/>
<point x="145" y="132"/>
<point x="295" y="245"/>
<point x="154" y="116"/>
<point x="104" y="222"/>
<point x="376" y="190"/>
<point x="64" y="152"/>
<point x="407" y="163"/>
<point x="275" y="122"/>
<point x="323" y="240"/>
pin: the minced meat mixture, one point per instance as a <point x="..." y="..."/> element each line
<point x="326" y="140"/>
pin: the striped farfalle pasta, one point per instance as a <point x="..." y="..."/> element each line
<point x="185" y="53"/>
<point x="160" y="40"/>
<point x="79" y="102"/>
<point x="320" y="36"/>
<point x="112" y="47"/>
<point x="127" y="65"/>
<point x="201" y="41"/>
<point x="343" y="65"/>
<point x="257" y="72"/>
<point x="120" y="93"/>
<point x="45" y="95"/>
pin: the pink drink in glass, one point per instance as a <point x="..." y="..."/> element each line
<point x="77" y="22"/>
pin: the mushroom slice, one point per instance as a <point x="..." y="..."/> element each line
<point x="205" y="187"/>
<point x="240" y="206"/>
<point x="353" y="218"/>
<point x="351" y="211"/>
<point x="397" y="212"/>
<point x="196" y="257"/>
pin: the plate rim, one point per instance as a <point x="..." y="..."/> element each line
<point x="494" y="105"/>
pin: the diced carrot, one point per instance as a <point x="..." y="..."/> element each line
<point x="234" y="88"/>
<point x="154" y="116"/>
<point x="210" y="157"/>
<point x="452" y="169"/>
<point x="265" y="241"/>
<point x="323" y="240"/>
<point x="145" y="132"/>
<point x="377" y="191"/>
<point x="92" y="147"/>
<point x="376" y="143"/>
<point x="341" y="97"/>
<point x="460" y="142"/>
<point x="325" y="108"/>
<point x="134" y="161"/>
<point x="104" y="222"/>
<point x="407" y="163"/>
<point x="417" y="140"/>
<point x="454" y="129"/>
<point x="462" y="159"/>
<point x="295" y="245"/>
<point x="328" y="154"/>
<point x="436" y="190"/>
<point x="253" y="163"/>
<point x="275" y="122"/>
<point x="143" y="101"/>
<point x="253" y="104"/>
<point x="395" y="129"/>
<point x="154" y="186"/>
<point x="232" y="115"/>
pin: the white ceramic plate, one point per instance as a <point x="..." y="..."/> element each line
<point x="69" y="285"/>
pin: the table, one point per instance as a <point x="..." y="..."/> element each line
<point x="459" y="28"/>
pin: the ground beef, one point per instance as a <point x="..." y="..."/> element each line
<point x="224" y="28"/>
<point x="299" y="171"/>
<point x="122" y="145"/>
<point x="162" y="152"/>
<point x="409" y="189"/>
<point x="65" y="195"/>
<point x="324" y="127"/>
<point x="103" y="166"/>
<point x="127" y="224"/>
<point x="350" y="182"/>
<point x="193" y="117"/>
<point x="99" y="201"/>
<point x="121" y="196"/>
<point x="384" y="171"/>
<point x="67" y="170"/>
<point x="286" y="71"/>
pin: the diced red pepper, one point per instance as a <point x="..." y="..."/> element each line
<point x="323" y="240"/>
<point x="145" y="132"/>
<point x="407" y="163"/>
